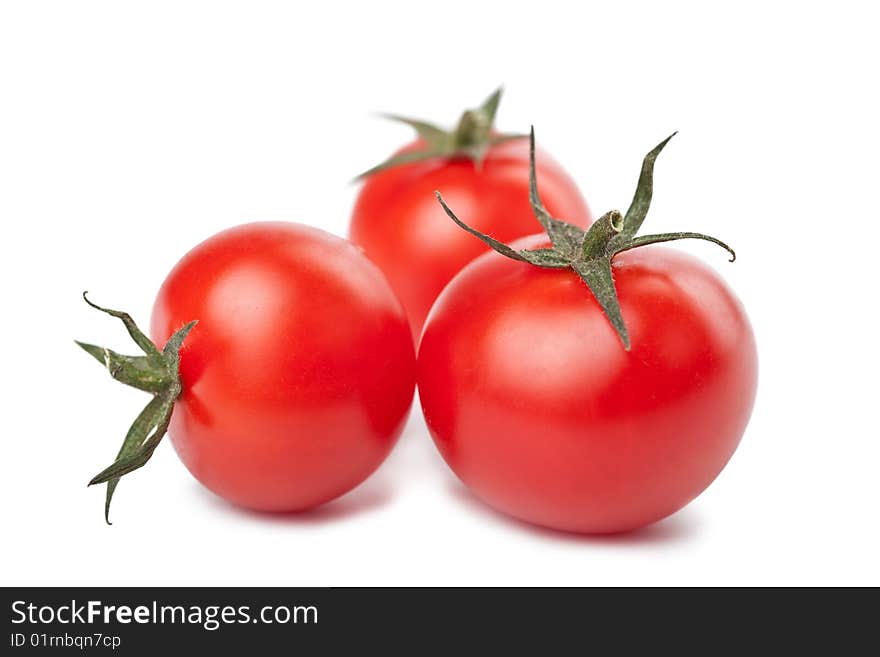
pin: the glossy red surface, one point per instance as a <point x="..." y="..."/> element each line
<point x="536" y="406"/>
<point x="300" y="373"/>
<point x="402" y="228"/>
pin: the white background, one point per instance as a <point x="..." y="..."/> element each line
<point x="131" y="131"/>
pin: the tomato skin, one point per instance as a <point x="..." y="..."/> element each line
<point x="299" y="376"/>
<point x="402" y="228"/>
<point x="536" y="406"/>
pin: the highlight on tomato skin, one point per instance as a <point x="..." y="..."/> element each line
<point x="397" y="222"/>
<point x="537" y="408"/>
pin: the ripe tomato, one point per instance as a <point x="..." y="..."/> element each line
<point x="297" y="380"/>
<point x="397" y="221"/>
<point x="535" y="405"/>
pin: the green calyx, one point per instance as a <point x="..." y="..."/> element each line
<point x="472" y="137"/>
<point x="155" y="372"/>
<point x="589" y="253"/>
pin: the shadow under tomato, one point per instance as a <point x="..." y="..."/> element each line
<point x="368" y="497"/>
<point x="677" y="528"/>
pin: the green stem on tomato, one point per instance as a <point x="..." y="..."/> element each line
<point x="590" y="253"/>
<point x="156" y="372"/>
<point x="472" y="137"/>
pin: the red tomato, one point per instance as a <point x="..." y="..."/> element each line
<point x="299" y="376"/>
<point x="397" y="221"/>
<point x="536" y="406"/>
